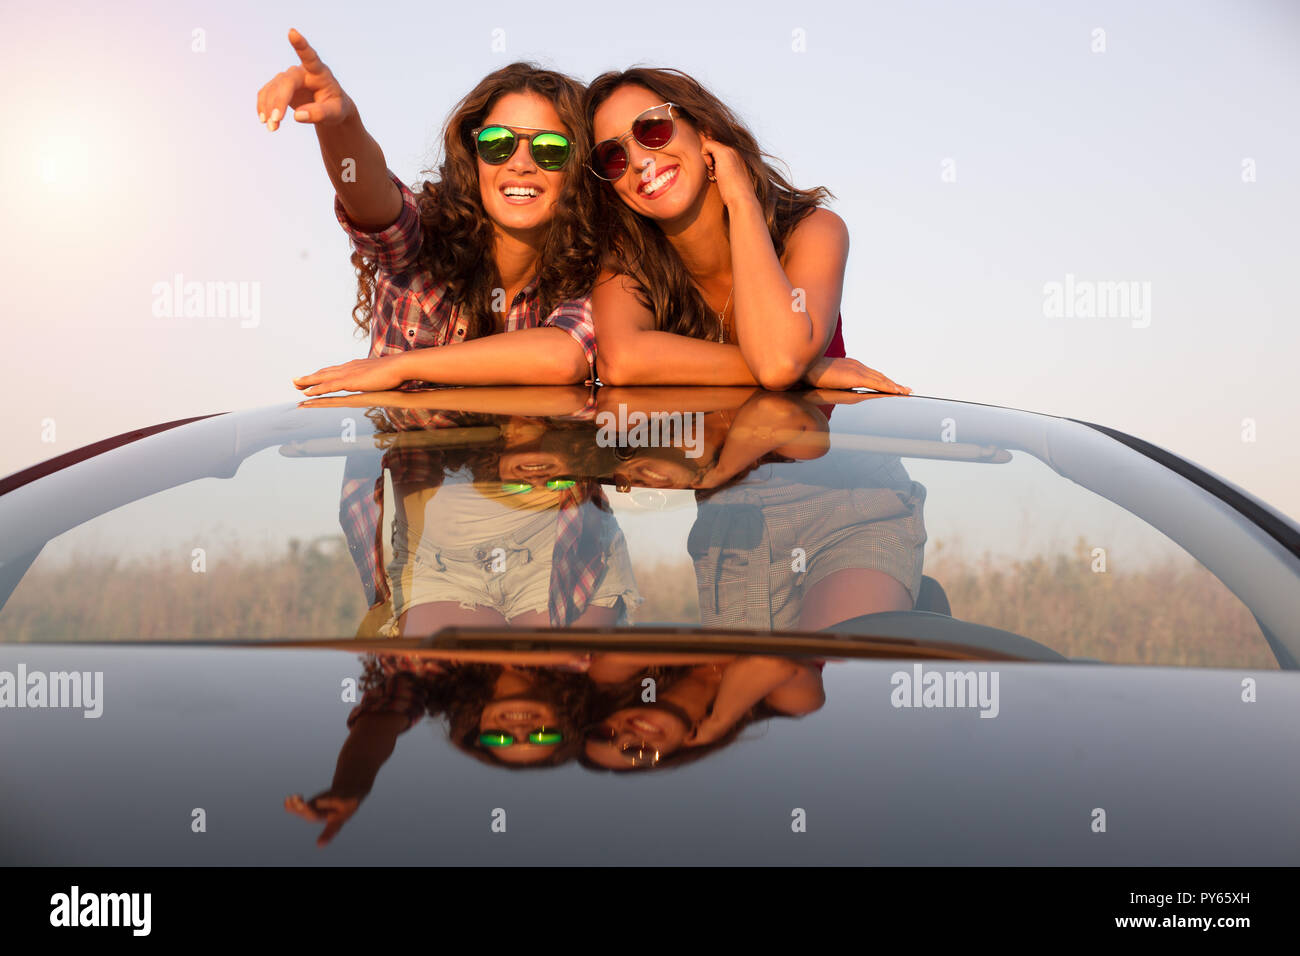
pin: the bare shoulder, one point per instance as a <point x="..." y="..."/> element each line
<point x="821" y="230"/>
<point x="615" y="297"/>
<point x="612" y="282"/>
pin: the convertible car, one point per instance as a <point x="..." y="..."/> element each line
<point x="644" y="626"/>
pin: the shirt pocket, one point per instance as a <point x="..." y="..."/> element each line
<point x="412" y="327"/>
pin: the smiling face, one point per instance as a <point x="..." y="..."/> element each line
<point x="663" y="184"/>
<point x="527" y="458"/>
<point x="532" y="466"/>
<point x="655" y="472"/>
<point x="633" y="730"/>
<point x="519" y="717"/>
<point x="519" y="196"/>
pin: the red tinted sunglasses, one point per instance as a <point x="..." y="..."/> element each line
<point x="652" y="129"/>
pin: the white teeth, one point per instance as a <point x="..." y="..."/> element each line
<point x="520" y="191"/>
<point x="663" y="179"/>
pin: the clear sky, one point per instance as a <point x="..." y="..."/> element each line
<point x="976" y="154"/>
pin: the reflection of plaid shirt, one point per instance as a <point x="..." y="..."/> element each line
<point x="580" y="549"/>
<point x="412" y="308"/>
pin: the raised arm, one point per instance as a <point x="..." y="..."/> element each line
<point x="353" y="159"/>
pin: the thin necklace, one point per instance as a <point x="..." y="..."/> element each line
<point x="722" y="316"/>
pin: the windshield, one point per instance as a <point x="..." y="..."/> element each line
<point x="725" y="510"/>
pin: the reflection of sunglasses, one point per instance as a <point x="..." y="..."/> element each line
<point x="496" y="144"/>
<point x="544" y="736"/>
<point x="552" y="484"/>
<point x="653" y="129"/>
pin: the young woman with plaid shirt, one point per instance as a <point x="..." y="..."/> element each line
<point x="499" y="242"/>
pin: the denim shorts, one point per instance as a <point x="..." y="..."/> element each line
<point x="509" y="573"/>
<point x="759" y="549"/>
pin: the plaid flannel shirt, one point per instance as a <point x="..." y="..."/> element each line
<point x="413" y="310"/>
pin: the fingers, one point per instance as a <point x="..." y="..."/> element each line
<point x="310" y="61"/>
<point x="274" y="99"/>
<point x="333" y="378"/>
<point x="880" y="383"/>
<point x="885" y="385"/>
<point x="264" y="97"/>
<point x="336" y="401"/>
<point x="333" y="811"/>
<point x="316" y="377"/>
<point x="872" y="379"/>
<point x="331" y="830"/>
<point x="296" y="805"/>
<point x="337" y="810"/>
<point x="316" y="112"/>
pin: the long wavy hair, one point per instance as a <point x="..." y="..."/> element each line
<point x="457" y="241"/>
<point x="459" y="692"/>
<point x="634" y="244"/>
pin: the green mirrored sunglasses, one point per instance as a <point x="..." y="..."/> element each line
<point x="496" y="144"/>
<point x="553" y="484"/>
<point x="542" y="736"/>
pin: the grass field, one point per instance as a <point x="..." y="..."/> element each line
<point x="1175" y="614"/>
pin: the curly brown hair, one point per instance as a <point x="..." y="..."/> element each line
<point x="457" y="235"/>
<point x="459" y="692"/>
<point x="637" y="247"/>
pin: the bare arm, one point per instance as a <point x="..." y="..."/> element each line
<point x="353" y="159"/>
<point x="537" y="356"/>
<point x="683" y="399"/>
<point x="785" y="310"/>
<point x="744" y="683"/>
<point x="534" y="401"/>
<point x="786" y="313"/>
<point x="787" y="307"/>
<point x="631" y="352"/>
<point x="370" y="742"/>
<point x="766" y="423"/>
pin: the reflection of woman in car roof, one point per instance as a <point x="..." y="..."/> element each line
<point x="504" y="534"/>
<point x="503" y="715"/>
<point x="790" y="535"/>
<point x="803" y="537"/>
<point x="696" y="710"/>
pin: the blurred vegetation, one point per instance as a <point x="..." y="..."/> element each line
<point x="312" y="591"/>
<point x="1172" y="613"/>
<point x="1169" y="613"/>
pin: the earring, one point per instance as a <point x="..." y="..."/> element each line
<point x="712" y="178"/>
